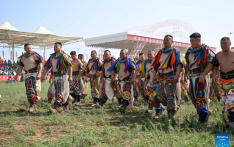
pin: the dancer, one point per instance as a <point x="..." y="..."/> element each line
<point x="32" y="63"/>
<point x="93" y="72"/>
<point x="62" y="75"/>
<point x="106" y="92"/>
<point x="144" y="68"/>
<point x="84" y="85"/>
<point x="225" y="60"/>
<point x="168" y="63"/>
<point x="75" y="88"/>
<point x="199" y="60"/>
<point x="123" y="74"/>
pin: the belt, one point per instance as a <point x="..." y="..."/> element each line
<point x="93" y="76"/>
<point x="32" y="70"/>
<point x="227" y="75"/>
<point x="125" y="79"/>
<point x="75" y="73"/>
<point x="167" y="74"/>
<point x="26" y="72"/>
<point x="195" y="71"/>
<point x="58" y="74"/>
<point x="107" y="76"/>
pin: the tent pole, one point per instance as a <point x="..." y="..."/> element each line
<point x="13" y="53"/>
<point x="44" y="52"/>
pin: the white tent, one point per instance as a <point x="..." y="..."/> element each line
<point x="39" y="39"/>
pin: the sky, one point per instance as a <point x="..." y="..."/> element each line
<point x="91" y="18"/>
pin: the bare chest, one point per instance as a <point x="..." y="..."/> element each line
<point x="107" y="65"/>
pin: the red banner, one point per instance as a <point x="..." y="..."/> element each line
<point x="5" y="77"/>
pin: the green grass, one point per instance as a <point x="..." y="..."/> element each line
<point x="85" y="126"/>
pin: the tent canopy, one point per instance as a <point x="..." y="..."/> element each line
<point x="39" y="39"/>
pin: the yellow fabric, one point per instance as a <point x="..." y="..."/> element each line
<point x="183" y="59"/>
<point x="141" y="68"/>
<point x="85" y="65"/>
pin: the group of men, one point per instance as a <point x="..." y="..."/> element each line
<point x="160" y="79"/>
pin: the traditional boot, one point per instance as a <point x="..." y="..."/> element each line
<point x="202" y="118"/>
<point x="171" y="114"/>
<point x="55" y="110"/>
<point x="150" y="108"/>
<point x="32" y="106"/>
<point x="75" y="99"/>
<point x="230" y="124"/>
<point x="77" y="103"/>
<point x="158" y="112"/>
<point x="50" y="100"/>
<point x="95" y="101"/>
<point x="65" y="108"/>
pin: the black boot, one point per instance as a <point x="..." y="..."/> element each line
<point x="77" y="100"/>
<point x="123" y="106"/>
<point x="119" y="100"/>
<point x="202" y="118"/>
<point x="230" y="124"/>
<point x="50" y="100"/>
<point x="95" y="101"/>
<point x="158" y="112"/>
<point x="135" y="98"/>
<point x="32" y="106"/>
<point x="102" y="101"/>
<point x="171" y="114"/>
<point x="150" y="108"/>
<point x="146" y="100"/>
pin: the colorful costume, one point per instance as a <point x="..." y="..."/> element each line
<point x="33" y="86"/>
<point x="137" y="87"/>
<point x="199" y="92"/>
<point x="75" y="85"/>
<point x="94" y="80"/>
<point x="168" y="92"/>
<point x="226" y="81"/>
<point x="123" y="89"/>
<point x="142" y="70"/>
<point x="106" y="91"/>
<point x="84" y="85"/>
<point x="152" y="93"/>
<point x="60" y="85"/>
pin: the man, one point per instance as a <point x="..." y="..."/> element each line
<point x="139" y="82"/>
<point x="199" y="60"/>
<point x="184" y="87"/>
<point x="152" y="93"/>
<point x="84" y="85"/>
<point x="123" y="71"/>
<point x="75" y="88"/>
<point x="225" y="60"/>
<point x="93" y="72"/>
<point x="32" y="64"/>
<point x="61" y="65"/>
<point x="106" y="91"/>
<point x="168" y="63"/>
<point x="144" y="68"/>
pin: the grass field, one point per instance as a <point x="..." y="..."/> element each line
<point x="86" y="126"/>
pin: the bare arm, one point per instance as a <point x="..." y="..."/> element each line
<point x="207" y="70"/>
<point x="215" y="74"/>
<point x="186" y="70"/>
<point x="69" y="73"/>
<point x="20" y="68"/>
<point x="44" y="72"/>
<point x="178" y="70"/>
<point x="39" y="71"/>
<point x="133" y="76"/>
